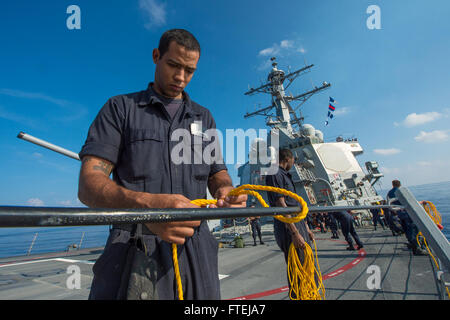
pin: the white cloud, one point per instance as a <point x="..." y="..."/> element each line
<point x="387" y="170"/>
<point x="285" y="46"/>
<point x="432" y="137"/>
<point x="282" y="49"/>
<point x="341" y="111"/>
<point x="414" y="119"/>
<point x="286" y="43"/>
<point x="429" y="171"/>
<point x="387" y="152"/>
<point x="269" y="51"/>
<point x="76" y="110"/>
<point x="34" y="95"/>
<point x="154" y="11"/>
<point x="35" y="202"/>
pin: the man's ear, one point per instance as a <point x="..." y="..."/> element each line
<point x="155" y="55"/>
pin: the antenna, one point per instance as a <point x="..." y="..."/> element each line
<point x="277" y="83"/>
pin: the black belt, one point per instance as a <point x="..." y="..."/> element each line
<point x="145" y="230"/>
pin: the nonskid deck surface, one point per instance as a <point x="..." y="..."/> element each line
<point x="253" y="272"/>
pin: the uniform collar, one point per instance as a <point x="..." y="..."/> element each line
<point x="148" y="97"/>
<point x="284" y="170"/>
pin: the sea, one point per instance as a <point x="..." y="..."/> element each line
<point x="31" y="241"/>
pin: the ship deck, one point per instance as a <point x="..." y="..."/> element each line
<point x="253" y="272"/>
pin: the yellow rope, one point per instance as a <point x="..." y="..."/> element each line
<point x="176" y="268"/>
<point x="437" y="219"/>
<point x="303" y="283"/>
<point x="301" y="276"/>
<point x="432" y="212"/>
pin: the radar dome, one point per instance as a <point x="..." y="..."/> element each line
<point x="319" y="134"/>
<point x="308" y="130"/>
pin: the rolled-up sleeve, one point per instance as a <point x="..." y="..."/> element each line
<point x="104" y="138"/>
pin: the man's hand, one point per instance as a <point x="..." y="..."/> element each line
<point x="225" y="201"/>
<point x="173" y="232"/>
<point x="311" y="235"/>
<point x="220" y="185"/>
<point x="298" y="241"/>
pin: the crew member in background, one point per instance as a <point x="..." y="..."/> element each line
<point x="389" y="218"/>
<point x="256" y="228"/>
<point x="331" y="222"/>
<point x="346" y="221"/>
<point x="376" y="218"/>
<point x="408" y="225"/>
<point x="286" y="233"/>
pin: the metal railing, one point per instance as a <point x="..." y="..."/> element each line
<point x="23" y="216"/>
<point x="25" y="242"/>
<point x="434" y="237"/>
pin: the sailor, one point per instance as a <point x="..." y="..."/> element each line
<point x="256" y="228"/>
<point x="287" y="233"/>
<point x="345" y="220"/>
<point x="406" y="222"/>
<point x="132" y="138"/>
<point x="321" y="222"/>
<point x="331" y="222"/>
<point x="376" y="218"/>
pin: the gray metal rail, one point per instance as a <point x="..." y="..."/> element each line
<point x="435" y="238"/>
<point x="22" y="216"/>
<point x="48" y="145"/>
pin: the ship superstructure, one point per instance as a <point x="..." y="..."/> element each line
<point x="324" y="172"/>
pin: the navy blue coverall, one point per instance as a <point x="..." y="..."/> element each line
<point x="134" y="132"/>
<point x="346" y="221"/>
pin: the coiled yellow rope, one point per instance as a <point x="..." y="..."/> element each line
<point x="437" y="219"/>
<point x="433" y="213"/>
<point x="301" y="277"/>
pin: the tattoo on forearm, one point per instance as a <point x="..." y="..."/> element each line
<point x="104" y="167"/>
<point x="86" y="159"/>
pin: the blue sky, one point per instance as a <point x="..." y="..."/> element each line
<point x="391" y="84"/>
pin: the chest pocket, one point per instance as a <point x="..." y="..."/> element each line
<point x="144" y="154"/>
<point x="199" y="168"/>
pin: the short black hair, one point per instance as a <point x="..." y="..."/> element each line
<point x="396" y="183"/>
<point x="182" y="37"/>
<point x="285" y="154"/>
